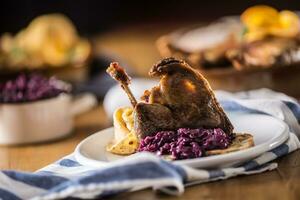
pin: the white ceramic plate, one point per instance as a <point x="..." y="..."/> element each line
<point x="268" y="133"/>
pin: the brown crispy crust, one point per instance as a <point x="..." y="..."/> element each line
<point x="170" y="64"/>
<point x="118" y="73"/>
<point x="241" y="141"/>
<point x="172" y="106"/>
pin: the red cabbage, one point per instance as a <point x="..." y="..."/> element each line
<point x="185" y="143"/>
<point x="31" y="87"/>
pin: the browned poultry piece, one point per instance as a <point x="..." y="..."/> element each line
<point x="119" y="74"/>
<point x="183" y="98"/>
<point x="269" y="52"/>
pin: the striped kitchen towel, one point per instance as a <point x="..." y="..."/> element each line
<point x="67" y="178"/>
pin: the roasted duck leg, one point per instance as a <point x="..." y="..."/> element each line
<point x="183" y="98"/>
<point x="119" y="74"/>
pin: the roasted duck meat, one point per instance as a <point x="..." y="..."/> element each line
<point x="119" y="74"/>
<point x="269" y="52"/>
<point x="183" y="98"/>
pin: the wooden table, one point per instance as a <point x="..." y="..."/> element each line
<point x="137" y="47"/>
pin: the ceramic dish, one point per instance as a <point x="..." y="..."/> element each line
<point x="267" y="131"/>
<point x="41" y="120"/>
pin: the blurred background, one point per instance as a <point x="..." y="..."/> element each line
<point x="92" y="17"/>
<point x="128" y="32"/>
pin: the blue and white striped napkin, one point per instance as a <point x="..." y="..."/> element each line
<point x="67" y="178"/>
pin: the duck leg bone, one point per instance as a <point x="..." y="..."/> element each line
<point x="120" y="75"/>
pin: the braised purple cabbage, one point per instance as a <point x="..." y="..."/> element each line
<point x="185" y="143"/>
<point x="31" y="87"/>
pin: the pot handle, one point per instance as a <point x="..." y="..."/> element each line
<point x="83" y="103"/>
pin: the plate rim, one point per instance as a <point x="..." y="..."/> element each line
<point x="261" y="148"/>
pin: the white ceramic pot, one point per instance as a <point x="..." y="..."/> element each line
<point x="42" y="120"/>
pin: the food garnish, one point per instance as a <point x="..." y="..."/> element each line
<point x="262" y="21"/>
<point x="271" y="39"/>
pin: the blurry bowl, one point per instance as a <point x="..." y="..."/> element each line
<point x="68" y="73"/>
<point x="280" y="78"/>
<point x="42" y="120"/>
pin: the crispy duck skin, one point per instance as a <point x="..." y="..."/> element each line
<point x="183" y="98"/>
